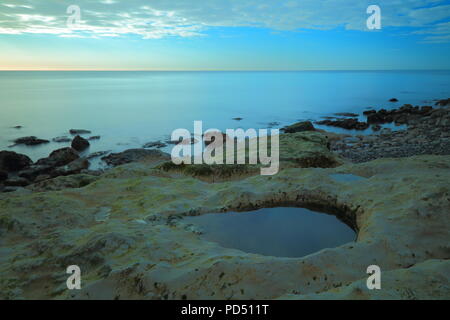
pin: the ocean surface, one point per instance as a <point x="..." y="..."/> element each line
<point x="128" y="109"/>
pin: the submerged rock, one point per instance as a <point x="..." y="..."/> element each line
<point x="94" y="138"/>
<point x="61" y="139"/>
<point x="12" y="161"/>
<point x="80" y="144"/>
<point x="393" y="100"/>
<point x="78" y="131"/>
<point x="30" y="141"/>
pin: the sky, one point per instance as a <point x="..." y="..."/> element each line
<point x="223" y="35"/>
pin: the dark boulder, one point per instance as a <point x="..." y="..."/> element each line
<point x="94" y="138"/>
<point x="238" y="119"/>
<point x="12" y="161"/>
<point x="299" y="127"/>
<point x="80" y="144"/>
<point x="132" y="155"/>
<point x="393" y="100"/>
<point x="30" y="141"/>
<point x="59" y="157"/>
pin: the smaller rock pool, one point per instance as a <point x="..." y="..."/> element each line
<point x="280" y="231"/>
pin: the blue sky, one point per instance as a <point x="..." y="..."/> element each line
<point x="224" y="35"/>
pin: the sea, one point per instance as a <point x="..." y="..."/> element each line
<point x="130" y="108"/>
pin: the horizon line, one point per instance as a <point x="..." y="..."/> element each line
<point x="211" y="70"/>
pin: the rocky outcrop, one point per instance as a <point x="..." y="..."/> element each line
<point x="133" y="155"/>
<point x="80" y="144"/>
<point x="154" y="144"/>
<point x="127" y="233"/>
<point x="12" y="161"/>
<point x="299" y="127"/>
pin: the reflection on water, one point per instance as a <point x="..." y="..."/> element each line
<point x="282" y="232"/>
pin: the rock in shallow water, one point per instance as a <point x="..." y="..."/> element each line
<point x="30" y="141"/>
<point x="299" y="127"/>
<point x="80" y="144"/>
<point x="12" y="161"/>
<point x="132" y="155"/>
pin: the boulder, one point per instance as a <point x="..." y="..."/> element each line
<point x="59" y="157"/>
<point x="80" y="144"/>
<point x="12" y="161"/>
<point x="30" y="141"/>
<point x="393" y="100"/>
<point x="74" y="167"/>
<point x="299" y="127"/>
<point x="132" y="155"/>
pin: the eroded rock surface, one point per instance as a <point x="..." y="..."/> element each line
<point x="125" y="230"/>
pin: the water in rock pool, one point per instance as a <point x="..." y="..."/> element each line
<point x="282" y="232"/>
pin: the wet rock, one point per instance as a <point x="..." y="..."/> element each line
<point x="78" y="131"/>
<point x="349" y="124"/>
<point x="154" y="144"/>
<point x="16" y="182"/>
<point x="299" y="127"/>
<point x="61" y="139"/>
<point x="30" y="141"/>
<point x="238" y="119"/>
<point x="443" y="102"/>
<point x="393" y="100"/>
<point x="132" y="155"/>
<point x="73" y="167"/>
<point x="94" y="138"/>
<point x="97" y="154"/>
<point x="80" y="144"/>
<point x="59" y="157"/>
<point x="17" y="127"/>
<point x="35" y="170"/>
<point x="192" y="140"/>
<point x="346" y="114"/>
<point x="12" y="161"/>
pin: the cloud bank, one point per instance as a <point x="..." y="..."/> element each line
<point x="153" y="19"/>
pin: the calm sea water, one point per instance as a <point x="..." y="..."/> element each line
<point x="128" y="109"/>
<point x="283" y="232"/>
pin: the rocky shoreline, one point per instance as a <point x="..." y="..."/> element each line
<point x="125" y="226"/>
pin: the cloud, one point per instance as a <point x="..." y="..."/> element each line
<point x="184" y="18"/>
